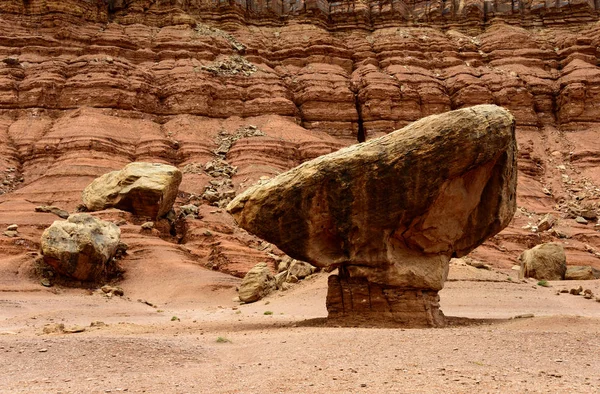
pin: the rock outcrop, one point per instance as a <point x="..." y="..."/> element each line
<point x="81" y="247"/>
<point x="391" y="212"/>
<point x="546" y="261"/>
<point x="144" y="189"/>
<point x="87" y="87"/>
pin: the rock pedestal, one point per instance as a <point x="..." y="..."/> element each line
<point x="391" y="212"/>
<point x="358" y="301"/>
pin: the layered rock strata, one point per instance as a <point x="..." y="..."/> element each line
<point x="87" y="87"/>
<point x="393" y="211"/>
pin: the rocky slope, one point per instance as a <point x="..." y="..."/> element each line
<point x="88" y="86"/>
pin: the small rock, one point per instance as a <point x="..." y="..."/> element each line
<point x="114" y="290"/>
<point x="564" y="291"/>
<point x="74" y="330"/>
<point x="301" y="269"/>
<point x="11" y="61"/>
<point x="581" y="220"/>
<point x="11" y="234"/>
<point x="45" y="282"/>
<point x="148" y="226"/>
<point x="546" y="223"/>
<point x="576" y="291"/>
<point x="12" y="227"/>
<point x="524" y="316"/>
<point x="53" y="328"/>
<point x="292" y="279"/>
<point x="61" y="213"/>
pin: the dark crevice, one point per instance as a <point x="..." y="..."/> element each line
<point x="361" y="136"/>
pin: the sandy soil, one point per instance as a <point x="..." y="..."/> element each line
<point x="218" y="346"/>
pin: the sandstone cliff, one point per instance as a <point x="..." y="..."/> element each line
<point x="89" y="86"/>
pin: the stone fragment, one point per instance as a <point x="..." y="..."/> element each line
<point x="581" y="272"/>
<point x="145" y="189"/>
<point x="545" y="261"/>
<point x="257" y="283"/>
<point x="301" y="269"/>
<point x="11" y="234"/>
<point x="80" y="247"/>
<point x="74" y="329"/>
<point x="392" y="211"/>
<point x="581" y="220"/>
<point x="53" y="328"/>
<point x="189" y="209"/>
<point x="284" y="264"/>
<point x="61" y="213"/>
<point x="147" y="225"/>
<point x="546" y="223"/>
<point x="12" y="227"/>
<point x="576" y="291"/>
<point x="115" y="290"/>
<point x="280" y="278"/>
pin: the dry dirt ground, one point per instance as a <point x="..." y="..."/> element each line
<point x="206" y="342"/>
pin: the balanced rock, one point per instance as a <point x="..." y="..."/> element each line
<point x="391" y="212"/>
<point x="545" y="261"/>
<point x="257" y="283"/>
<point x="80" y="247"/>
<point x="146" y="189"/>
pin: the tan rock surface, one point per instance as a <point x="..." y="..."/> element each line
<point x="545" y="261"/>
<point x="145" y="189"/>
<point x="81" y="247"/>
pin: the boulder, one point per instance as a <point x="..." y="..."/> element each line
<point x="257" y="283"/>
<point x="145" y="189"/>
<point x="391" y="212"/>
<point x="580" y="272"/>
<point x="545" y="261"/>
<point x="301" y="269"/>
<point x="80" y="247"/>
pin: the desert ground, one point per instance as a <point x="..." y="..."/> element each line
<point x="233" y="93"/>
<point x="505" y="335"/>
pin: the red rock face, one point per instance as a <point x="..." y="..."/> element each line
<point x="87" y="87"/>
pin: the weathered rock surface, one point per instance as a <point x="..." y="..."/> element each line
<point x="578" y="272"/>
<point x="545" y="261"/>
<point x="81" y="247"/>
<point x="145" y="189"/>
<point x="85" y="89"/>
<point x="257" y="283"/>
<point x="394" y="210"/>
